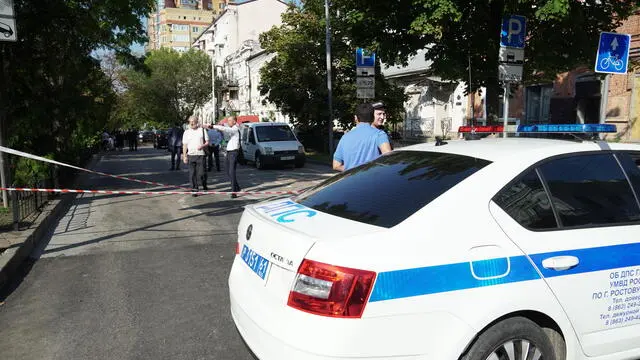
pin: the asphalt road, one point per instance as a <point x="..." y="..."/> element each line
<point x="137" y="277"/>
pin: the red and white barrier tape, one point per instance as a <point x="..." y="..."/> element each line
<point x="35" y="157"/>
<point x="117" y="192"/>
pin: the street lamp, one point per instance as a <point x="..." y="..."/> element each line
<point x="213" y="86"/>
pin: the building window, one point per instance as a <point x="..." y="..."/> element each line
<point x="538" y="103"/>
<point x="195" y="29"/>
<point x="179" y="38"/>
<point x="180" y="27"/>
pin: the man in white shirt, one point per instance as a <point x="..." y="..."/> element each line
<point x="233" y="147"/>
<point x="215" y="138"/>
<point x="194" y="141"/>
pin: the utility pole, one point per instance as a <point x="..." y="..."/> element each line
<point x="329" y="87"/>
<point x="213" y="86"/>
<point x="3" y="121"/>
<point x="505" y="109"/>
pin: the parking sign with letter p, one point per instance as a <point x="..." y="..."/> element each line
<point x="514" y="31"/>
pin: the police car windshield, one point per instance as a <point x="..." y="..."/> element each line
<point x="274" y="133"/>
<point x="391" y="188"/>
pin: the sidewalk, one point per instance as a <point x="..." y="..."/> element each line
<point x="16" y="246"/>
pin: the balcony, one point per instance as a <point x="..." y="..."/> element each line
<point x="230" y="83"/>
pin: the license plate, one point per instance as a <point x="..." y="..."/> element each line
<point x="257" y="263"/>
<point x="287" y="158"/>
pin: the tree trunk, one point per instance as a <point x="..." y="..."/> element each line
<point x="493" y="86"/>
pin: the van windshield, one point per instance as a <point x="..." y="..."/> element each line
<point x="274" y="133"/>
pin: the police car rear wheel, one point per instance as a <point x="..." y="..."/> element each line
<point x="512" y="339"/>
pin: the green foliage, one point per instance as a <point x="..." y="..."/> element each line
<point x="562" y="34"/>
<point x="29" y="172"/>
<point x="297" y="84"/>
<point x="54" y="92"/>
<point x="166" y="90"/>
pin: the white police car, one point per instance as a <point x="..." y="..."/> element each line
<point x="495" y="249"/>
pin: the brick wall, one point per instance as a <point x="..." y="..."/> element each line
<point x="620" y="86"/>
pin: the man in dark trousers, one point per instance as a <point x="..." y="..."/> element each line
<point x="175" y="145"/>
<point x="233" y="147"/>
<point x="194" y="141"/>
<point x="135" y="139"/>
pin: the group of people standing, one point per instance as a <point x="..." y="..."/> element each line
<point x="117" y="138"/>
<point x="366" y="142"/>
<point x="199" y="148"/>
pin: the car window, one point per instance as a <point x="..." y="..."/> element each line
<point x="251" y="136"/>
<point x="274" y="133"/>
<point x="630" y="162"/>
<point x="526" y="201"/>
<point x="590" y="190"/>
<point x="393" y="187"/>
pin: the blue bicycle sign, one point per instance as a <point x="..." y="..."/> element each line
<point x="613" y="53"/>
<point x="611" y="61"/>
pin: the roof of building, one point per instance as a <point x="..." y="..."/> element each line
<point x="416" y="65"/>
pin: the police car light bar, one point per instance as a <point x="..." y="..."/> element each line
<point x="481" y="129"/>
<point x="567" y="128"/>
<point x="541" y="128"/>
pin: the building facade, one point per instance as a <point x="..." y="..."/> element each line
<point x="176" y="24"/>
<point x="232" y="42"/>
<point x="434" y="107"/>
<point x="583" y="96"/>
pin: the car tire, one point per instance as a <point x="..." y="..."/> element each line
<point x="259" y="161"/>
<point x="514" y="335"/>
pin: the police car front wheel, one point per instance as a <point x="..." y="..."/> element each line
<point x="511" y="339"/>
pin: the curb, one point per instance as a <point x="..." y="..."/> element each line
<point x="12" y="258"/>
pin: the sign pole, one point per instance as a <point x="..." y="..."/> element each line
<point x="4" y="179"/>
<point x="505" y="109"/>
<point x="605" y="99"/>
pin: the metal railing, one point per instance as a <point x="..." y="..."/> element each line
<point x="26" y="204"/>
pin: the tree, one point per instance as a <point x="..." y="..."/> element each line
<point x="295" y="80"/>
<point x="170" y="87"/>
<point x="56" y="97"/>
<point x="561" y="34"/>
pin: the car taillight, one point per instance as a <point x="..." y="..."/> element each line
<point x="330" y="290"/>
<point x="237" y="248"/>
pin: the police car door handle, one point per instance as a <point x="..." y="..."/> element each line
<point x="560" y="263"/>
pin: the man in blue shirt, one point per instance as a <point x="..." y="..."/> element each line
<point x="362" y="144"/>
<point x="215" y="138"/>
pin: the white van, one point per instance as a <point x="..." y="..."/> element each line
<point x="271" y="143"/>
